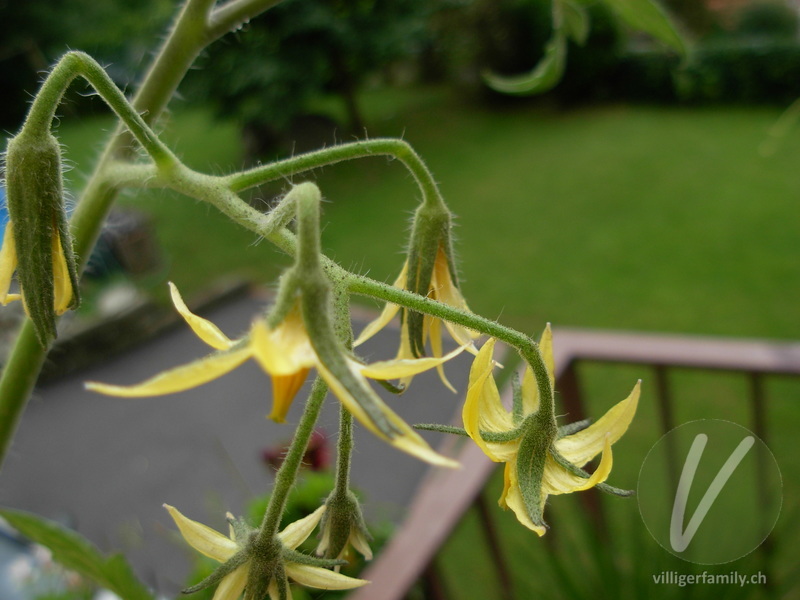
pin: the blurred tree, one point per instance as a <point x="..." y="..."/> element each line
<point x="33" y="35"/>
<point x="302" y="49"/>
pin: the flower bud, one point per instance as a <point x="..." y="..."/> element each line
<point x="343" y="526"/>
<point x="430" y="242"/>
<point x="42" y="254"/>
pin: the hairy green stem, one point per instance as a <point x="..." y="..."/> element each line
<point x="287" y="474"/>
<point x="344" y="449"/>
<point x="230" y="204"/>
<point x="395" y="148"/>
<point x="78" y="64"/>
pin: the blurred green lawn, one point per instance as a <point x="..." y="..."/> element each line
<point x="620" y="217"/>
<point x="658" y="219"/>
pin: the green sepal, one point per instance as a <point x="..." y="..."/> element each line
<point x="576" y="470"/>
<point x="571" y="428"/>
<point x="441" y="428"/>
<point x="242" y="531"/>
<point x="78" y="554"/>
<point x="222" y="571"/>
<point x="530" y="464"/>
<point x="315" y="305"/>
<point x="35" y="199"/>
<point x="342" y="516"/>
<point x="313" y="561"/>
<point x="390" y="387"/>
<point x="430" y="231"/>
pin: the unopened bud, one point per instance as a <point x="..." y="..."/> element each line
<point x="45" y="263"/>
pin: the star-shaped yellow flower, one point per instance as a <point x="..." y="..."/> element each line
<point x="538" y="463"/>
<point x="222" y="549"/>
<point x="286" y="354"/>
<point x="443" y="289"/>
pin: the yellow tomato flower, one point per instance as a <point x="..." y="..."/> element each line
<point x="223" y="548"/>
<point x="443" y="289"/>
<point x="536" y="467"/>
<point x="286" y="354"/>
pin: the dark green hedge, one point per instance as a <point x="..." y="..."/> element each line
<point x="756" y="71"/>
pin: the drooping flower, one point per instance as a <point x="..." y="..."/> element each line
<point x="343" y="526"/>
<point x="37" y="242"/>
<point x="442" y="288"/>
<point x="540" y="460"/>
<point x="286" y="354"/>
<point x="240" y="554"/>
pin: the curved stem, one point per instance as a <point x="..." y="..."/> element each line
<point x="395" y="148"/>
<point x="78" y="64"/>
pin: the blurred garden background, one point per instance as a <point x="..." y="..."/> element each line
<point x="646" y="192"/>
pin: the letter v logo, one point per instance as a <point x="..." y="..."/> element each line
<point x="678" y="538"/>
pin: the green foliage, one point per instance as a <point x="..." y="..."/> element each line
<point x="771" y="19"/>
<point x="78" y="554"/>
<point x="756" y="72"/>
<point x="303" y="49"/>
<point x="33" y="35"/>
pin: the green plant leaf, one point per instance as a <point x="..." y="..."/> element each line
<point x="546" y="74"/>
<point x="576" y="22"/>
<point x="647" y="16"/>
<point x="76" y="553"/>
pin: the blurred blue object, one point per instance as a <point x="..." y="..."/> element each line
<point x="3" y="213"/>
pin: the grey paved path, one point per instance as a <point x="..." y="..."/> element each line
<point x="106" y="465"/>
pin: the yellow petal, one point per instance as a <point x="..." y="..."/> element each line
<point x="8" y="264"/>
<point x="483" y="409"/>
<point x="360" y="543"/>
<point x="62" y="283"/>
<point x="284" y="350"/>
<point x="320" y="578"/>
<point x="407" y="439"/>
<point x="203" y="328"/>
<point x="233" y="584"/>
<point x="530" y="393"/>
<point x="471" y="412"/>
<point x="512" y="497"/>
<point x="404" y="367"/>
<point x="557" y="480"/>
<point x="296" y="533"/>
<point x="546" y="348"/>
<point x="435" y="330"/>
<point x="202" y="538"/>
<point x="284" y="389"/>
<point x="178" y="379"/>
<point x="444" y="290"/>
<point x="579" y="448"/>
<point x="387" y="314"/>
